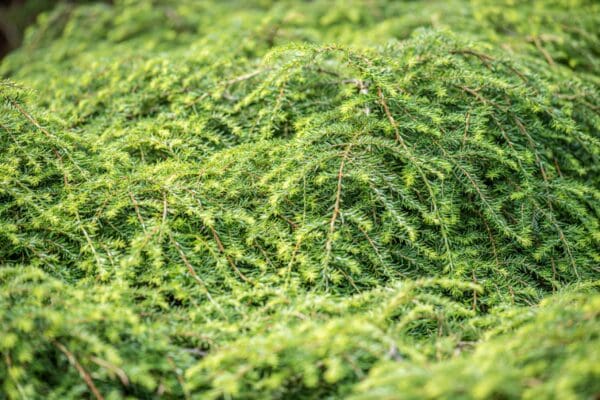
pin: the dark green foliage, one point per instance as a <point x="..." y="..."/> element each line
<point x="212" y="200"/>
<point x="17" y="15"/>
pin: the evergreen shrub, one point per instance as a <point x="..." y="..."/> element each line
<point x="299" y="200"/>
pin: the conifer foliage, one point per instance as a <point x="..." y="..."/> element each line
<point x="294" y="200"/>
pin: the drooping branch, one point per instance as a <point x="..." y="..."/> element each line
<point x="85" y="375"/>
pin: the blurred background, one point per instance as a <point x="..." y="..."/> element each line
<point x="17" y="15"/>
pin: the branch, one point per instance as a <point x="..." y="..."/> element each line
<point x="137" y="211"/>
<point x="82" y="372"/>
<point x="186" y="393"/>
<point x="118" y="371"/>
<point x="421" y="173"/>
<point x="538" y="44"/>
<point x="192" y="271"/>
<point x="229" y="260"/>
<point x="389" y="116"/>
<point x="45" y="132"/>
<point x="336" y="208"/>
<point x="244" y="77"/>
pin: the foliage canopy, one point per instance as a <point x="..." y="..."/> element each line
<point x="293" y="200"/>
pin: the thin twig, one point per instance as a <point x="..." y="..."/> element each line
<point x="118" y="371"/>
<point x="89" y="240"/>
<point x="192" y="271"/>
<point x="164" y="216"/>
<point x="550" y="215"/>
<point x="372" y="243"/>
<point x="244" y="77"/>
<point x="538" y="44"/>
<point x="420" y="171"/>
<point x="229" y="260"/>
<point x="389" y="116"/>
<point x="9" y="364"/>
<point x="186" y="393"/>
<point x="483" y="57"/>
<point x="467" y="121"/>
<point x="82" y="372"/>
<point x="292" y="259"/>
<point x="336" y="208"/>
<point x="136" y="206"/>
<point x="45" y="132"/>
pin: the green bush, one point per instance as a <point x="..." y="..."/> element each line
<point x="293" y="200"/>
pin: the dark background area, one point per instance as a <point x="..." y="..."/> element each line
<point x="17" y="15"/>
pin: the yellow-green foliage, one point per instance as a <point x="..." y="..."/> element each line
<point x="255" y="199"/>
<point x="551" y="353"/>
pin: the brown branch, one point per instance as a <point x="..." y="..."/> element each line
<point x="538" y="44"/>
<point x="467" y="124"/>
<point x="186" y="393"/>
<point x="221" y="247"/>
<point x="31" y="119"/>
<point x="89" y="240"/>
<point x="137" y="210"/>
<point x="420" y="170"/>
<point x="45" y="132"/>
<point x="479" y="97"/>
<point x="550" y="216"/>
<point x="324" y="71"/>
<point x="192" y="271"/>
<point x="264" y="253"/>
<point x="336" y="205"/>
<point x="229" y="260"/>
<point x="289" y="221"/>
<point x="533" y="147"/>
<point x="557" y="167"/>
<point x="118" y="371"/>
<point x="9" y="364"/>
<point x="336" y="212"/>
<point x="579" y="98"/>
<point x="372" y="243"/>
<point x="483" y="57"/>
<point x="82" y="372"/>
<point x="164" y="216"/>
<point x="292" y="259"/>
<point x="389" y="115"/>
<point x="244" y="77"/>
<point x="487" y="59"/>
<point x="349" y="278"/>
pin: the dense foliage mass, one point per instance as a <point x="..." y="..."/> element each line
<point x="258" y="199"/>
